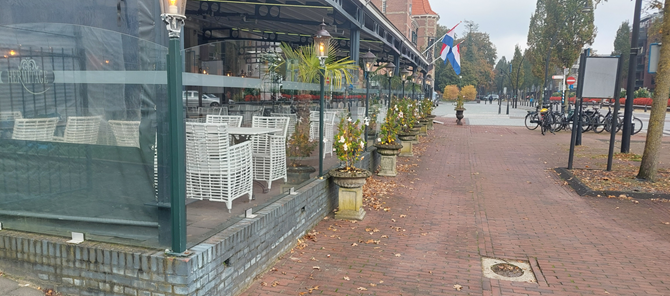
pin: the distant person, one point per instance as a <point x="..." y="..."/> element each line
<point x="491" y="99"/>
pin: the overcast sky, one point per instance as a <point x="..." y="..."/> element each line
<point x="506" y="21"/>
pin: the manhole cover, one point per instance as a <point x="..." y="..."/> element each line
<point x="507" y="270"/>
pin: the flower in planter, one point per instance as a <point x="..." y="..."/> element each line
<point x="390" y="128"/>
<point x="407" y="118"/>
<point x="426" y="108"/>
<point x="349" y="144"/>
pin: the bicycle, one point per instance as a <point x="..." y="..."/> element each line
<point x="532" y="120"/>
<point x="546" y="121"/>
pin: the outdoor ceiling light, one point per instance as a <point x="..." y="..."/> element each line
<point x="390" y="68"/>
<point x="368" y="59"/>
<point x="322" y="42"/>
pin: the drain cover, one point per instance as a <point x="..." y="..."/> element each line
<point x="508" y="270"/>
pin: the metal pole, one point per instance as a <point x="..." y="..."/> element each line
<point x="177" y="148"/>
<point x="575" y="116"/>
<point x="630" y="89"/>
<point x="321" y="101"/>
<point x="367" y="103"/>
<point x="615" y="118"/>
<point x="403" y="88"/>
<point x="389" y="104"/>
<point x="547" y="94"/>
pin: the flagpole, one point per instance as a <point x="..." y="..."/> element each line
<point x="435" y="43"/>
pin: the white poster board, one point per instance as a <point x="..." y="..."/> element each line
<point x="600" y="77"/>
<point x="654" y="54"/>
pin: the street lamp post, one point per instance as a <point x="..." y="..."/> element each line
<point x="429" y="89"/>
<point x="390" y="67"/>
<point x="403" y="77"/>
<point x="368" y="61"/>
<point x="172" y="13"/>
<point x="321" y="48"/>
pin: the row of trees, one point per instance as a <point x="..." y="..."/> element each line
<point x="452" y="91"/>
<point x="558" y="31"/>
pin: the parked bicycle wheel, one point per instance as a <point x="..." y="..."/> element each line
<point x="637" y="125"/>
<point x="598" y="123"/>
<point x="532" y="121"/>
<point x="557" y="120"/>
<point x="586" y="123"/>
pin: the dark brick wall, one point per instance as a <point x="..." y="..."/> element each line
<point x="225" y="264"/>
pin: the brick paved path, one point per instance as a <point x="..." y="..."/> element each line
<point x="484" y="191"/>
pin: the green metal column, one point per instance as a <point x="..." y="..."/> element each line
<point x="177" y="148"/>
<point x="321" y="100"/>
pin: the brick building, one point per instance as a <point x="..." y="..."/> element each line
<point x="414" y="18"/>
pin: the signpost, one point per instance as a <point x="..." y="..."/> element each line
<point x="570" y="80"/>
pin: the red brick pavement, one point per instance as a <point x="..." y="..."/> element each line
<point x="484" y="191"/>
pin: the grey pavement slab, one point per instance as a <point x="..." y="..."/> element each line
<point x="10" y="287"/>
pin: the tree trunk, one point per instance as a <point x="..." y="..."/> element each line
<point x="652" y="147"/>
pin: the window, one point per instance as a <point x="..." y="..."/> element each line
<point x="410" y="9"/>
<point x="384" y="6"/>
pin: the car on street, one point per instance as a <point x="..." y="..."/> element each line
<point x="208" y="100"/>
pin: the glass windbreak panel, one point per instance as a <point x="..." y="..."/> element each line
<point x="247" y="79"/>
<point x="78" y="132"/>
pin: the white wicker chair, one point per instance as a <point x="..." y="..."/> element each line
<point x="231" y="120"/>
<point x="10" y="115"/>
<point x="127" y="133"/>
<point x="215" y="170"/>
<point x="34" y="129"/>
<point x="270" y="149"/>
<point x="81" y="130"/>
<point x="292" y="121"/>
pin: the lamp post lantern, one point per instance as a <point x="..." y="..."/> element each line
<point x="390" y="68"/>
<point x="321" y="48"/>
<point x="172" y="13"/>
<point x="368" y="62"/>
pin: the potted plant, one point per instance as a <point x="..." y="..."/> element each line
<point x="373" y="113"/>
<point x="299" y="147"/>
<point x="349" y="145"/>
<point x="427" y="108"/>
<point x="406" y="120"/>
<point x="459" y="109"/>
<point x="388" y="147"/>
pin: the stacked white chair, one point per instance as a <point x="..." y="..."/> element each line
<point x="231" y="120"/>
<point x="34" y="129"/>
<point x="81" y="130"/>
<point x="212" y="111"/>
<point x="215" y="170"/>
<point x="126" y="133"/>
<point x="328" y="129"/>
<point x="269" y="150"/>
<point x="10" y="115"/>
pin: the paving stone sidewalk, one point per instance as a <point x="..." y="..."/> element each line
<point x="10" y="287"/>
<point x="483" y="191"/>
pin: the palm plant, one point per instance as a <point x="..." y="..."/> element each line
<point x="309" y="66"/>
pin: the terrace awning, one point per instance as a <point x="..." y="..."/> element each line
<point x="354" y="24"/>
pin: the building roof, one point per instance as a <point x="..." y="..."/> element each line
<point x="422" y="7"/>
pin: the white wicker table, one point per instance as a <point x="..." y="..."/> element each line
<point x="241" y="134"/>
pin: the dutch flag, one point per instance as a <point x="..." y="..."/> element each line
<point x="447" y="43"/>
<point x="454" y="58"/>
